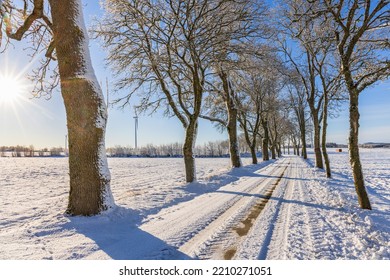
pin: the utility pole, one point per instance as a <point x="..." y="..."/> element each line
<point x="136" y="130"/>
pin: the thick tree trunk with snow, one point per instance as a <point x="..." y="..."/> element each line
<point x="188" y="147"/>
<point x="354" y="150"/>
<point x="86" y="113"/>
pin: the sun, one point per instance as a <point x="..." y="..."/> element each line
<point x="11" y="89"/>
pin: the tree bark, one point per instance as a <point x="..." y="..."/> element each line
<point x="324" y="130"/>
<point x="273" y="151"/>
<point x="188" y="148"/>
<point x="251" y="144"/>
<point x="294" y="143"/>
<point x="265" y="140"/>
<point x="317" y="142"/>
<point x="303" y="139"/>
<point x="232" y="133"/>
<point x="279" y="149"/>
<point x="253" y="154"/>
<point x="86" y="112"/>
<point x="288" y="146"/>
<point x="354" y="150"/>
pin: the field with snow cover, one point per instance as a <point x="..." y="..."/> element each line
<point x="302" y="215"/>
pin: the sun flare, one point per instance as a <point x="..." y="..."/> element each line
<point x="11" y="89"/>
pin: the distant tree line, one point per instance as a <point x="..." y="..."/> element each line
<point x="209" y="149"/>
<point x="30" y="151"/>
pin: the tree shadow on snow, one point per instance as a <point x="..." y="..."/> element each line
<point x="211" y="184"/>
<point x="283" y="200"/>
<point x="117" y="237"/>
<point x="235" y="174"/>
<point x="379" y="214"/>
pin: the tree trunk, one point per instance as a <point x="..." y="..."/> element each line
<point x="294" y="142"/>
<point x="188" y="147"/>
<point x="232" y="120"/>
<point x="253" y="153"/>
<point x="303" y="139"/>
<point x="317" y="143"/>
<point x="265" y="140"/>
<point x="233" y="139"/>
<point x="86" y="112"/>
<point x="288" y="146"/>
<point x="273" y="151"/>
<point x="279" y="149"/>
<point x="324" y="129"/>
<point x="250" y="144"/>
<point x="354" y="151"/>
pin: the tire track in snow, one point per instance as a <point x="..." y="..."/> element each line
<point x="328" y="238"/>
<point x="222" y="244"/>
<point x="253" y="215"/>
<point x="196" y="225"/>
<point x="308" y="234"/>
<point x="326" y="221"/>
<point x="280" y="223"/>
<point x="290" y="227"/>
<point x="267" y="240"/>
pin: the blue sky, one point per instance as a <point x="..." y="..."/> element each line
<point x="41" y="122"/>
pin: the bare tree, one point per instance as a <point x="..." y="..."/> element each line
<point x="85" y="108"/>
<point x="303" y="64"/>
<point x="314" y="38"/>
<point x="221" y="108"/>
<point x="258" y="84"/>
<point x="361" y="34"/>
<point x="249" y="119"/>
<point x="330" y="86"/>
<point x="239" y="43"/>
<point x="232" y="114"/>
<point x="164" y="50"/>
<point x="298" y="105"/>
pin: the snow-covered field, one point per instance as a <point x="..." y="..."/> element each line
<point x="284" y="209"/>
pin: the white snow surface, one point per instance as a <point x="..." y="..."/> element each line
<point x="303" y="214"/>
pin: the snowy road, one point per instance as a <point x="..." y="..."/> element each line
<point x="215" y="224"/>
<point x="277" y="213"/>
<point x="283" y="209"/>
